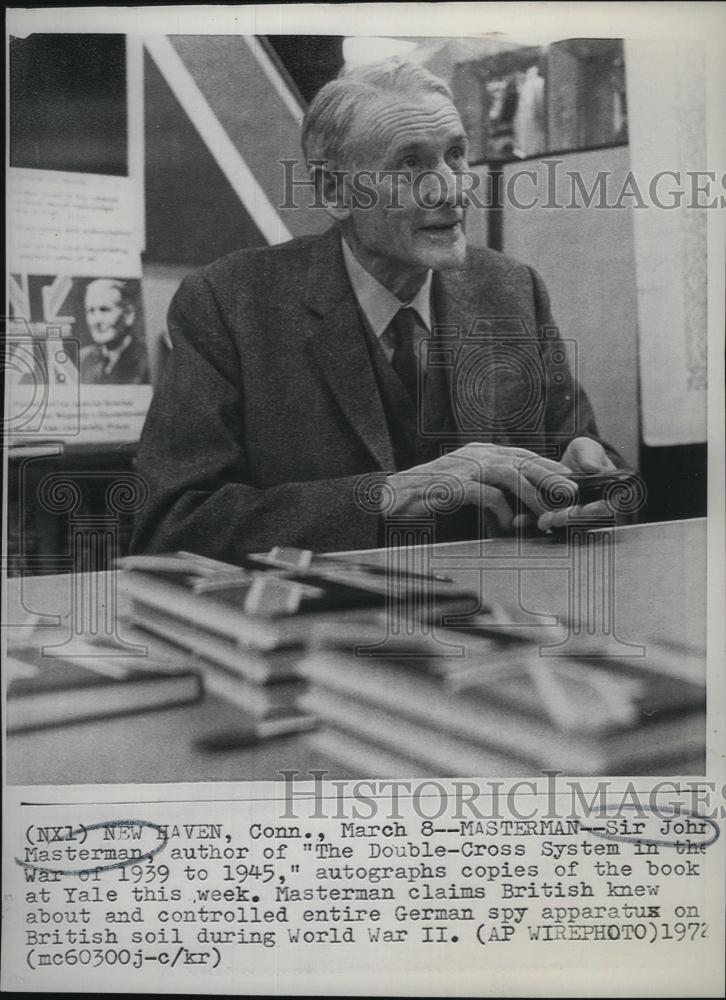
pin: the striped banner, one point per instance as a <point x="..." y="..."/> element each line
<point x="248" y="117"/>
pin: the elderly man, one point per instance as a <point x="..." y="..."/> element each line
<point x="384" y="346"/>
<point x="115" y="357"/>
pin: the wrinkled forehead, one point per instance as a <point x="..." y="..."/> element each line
<point x="395" y="122"/>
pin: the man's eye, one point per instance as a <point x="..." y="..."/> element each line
<point x="409" y="163"/>
<point x="457" y="154"/>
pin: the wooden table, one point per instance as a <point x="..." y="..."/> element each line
<point x="646" y="585"/>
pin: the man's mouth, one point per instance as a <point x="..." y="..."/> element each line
<point x="442" y="227"/>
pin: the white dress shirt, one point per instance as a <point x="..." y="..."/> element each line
<point x="380" y="305"/>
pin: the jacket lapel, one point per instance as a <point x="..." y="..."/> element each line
<point x="461" y="297"/>
<point x="472" y="309"/>
<point x="338" y="342"/>
<point x="466" y="295"/>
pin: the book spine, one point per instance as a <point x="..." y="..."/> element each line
<point x="444" y="753"/>
<point x="204" y="612"/>
<point x="497" y="728"/>
<point x="252" y="666"/>
<point x="257" y="701"/>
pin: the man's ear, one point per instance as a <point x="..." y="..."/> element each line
<point x="129" y="314"/>
<point x="332" y="190"/>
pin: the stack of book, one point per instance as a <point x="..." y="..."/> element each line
<point x="47" y="690"/>
<point x="504" y="709"/>
<point x="406" y="678"/>
<point x="246" y="628"/>
<point x="230" y="626"/>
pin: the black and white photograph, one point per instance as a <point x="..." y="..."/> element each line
<point x="364" y="500"/>
<point x="101" y="316"/>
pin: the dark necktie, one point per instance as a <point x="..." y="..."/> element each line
<point x="404" y="361"/>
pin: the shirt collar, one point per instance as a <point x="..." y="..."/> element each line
<point x="380" y="305"/>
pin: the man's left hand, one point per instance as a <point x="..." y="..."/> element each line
<point x="585" y="456"/>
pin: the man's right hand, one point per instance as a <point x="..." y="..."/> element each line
<point x="489" y="476"/>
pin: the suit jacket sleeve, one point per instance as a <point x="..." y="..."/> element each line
<point x="568" y="412"/>
<point x="192" y="456"/>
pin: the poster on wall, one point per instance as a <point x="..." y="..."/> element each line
<point x="77" y="363"/>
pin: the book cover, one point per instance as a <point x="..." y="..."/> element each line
<point x="50" y="691"/>
<point x="474" y="716"/>
<point x="219" y="614"/>
<point x="271" y="587"/>
<point x="588" y="696"/>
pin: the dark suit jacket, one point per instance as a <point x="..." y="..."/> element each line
<point x="268" y="411"/>
<point x="132" y="367"/>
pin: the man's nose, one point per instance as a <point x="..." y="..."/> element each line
<point x="442" y="187"/>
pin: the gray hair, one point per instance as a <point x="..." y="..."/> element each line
<point x="327" y="124"/>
